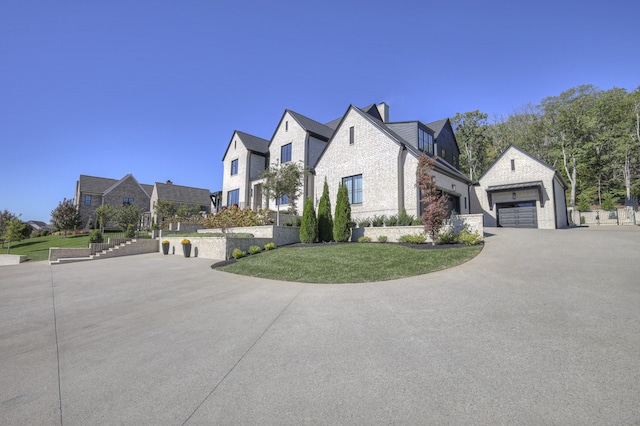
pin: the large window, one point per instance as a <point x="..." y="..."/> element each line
<point x="87" y="200"/>
<point x="234" y="167"/>
<point x="354" y="187"/>
<point x="425" y="141"/>
<point x="233" y="197"/>
<point x="285" y="153"/>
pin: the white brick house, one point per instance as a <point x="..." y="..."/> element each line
<point x="375" y="158"/>
<point x="519" y="190"/>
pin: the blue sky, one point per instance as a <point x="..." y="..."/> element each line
<point x="156" y="88"/>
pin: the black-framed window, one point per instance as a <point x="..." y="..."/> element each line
<point x="285" y="153"/>
<point x="443" y="153"/>
<point x="126" y="201"/>
<point x="234" y="167"/>
<point x="352" y="135"/>
<point x="233" y="197"/>
<point x="87" y="200"/>
<point x="425" y="141"/>
<point x="354" y="188"/>
<point x="513" y="164"/>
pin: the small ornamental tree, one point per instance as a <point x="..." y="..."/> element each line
<point x="342" y="222"/>
<point x="325" y="220"/>
<point x="5" y="217"/>
<point x="104" y="214"/>
<point x="13" y="232"/>
<point x="435" y="210"/>
<point x="283" y="180"/>
<point x="129" y="214"/>
<point x="309" y="225"/>
<point x="65" y="217"/>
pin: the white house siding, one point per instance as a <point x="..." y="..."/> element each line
<point x="374" y="155"/>
<point x="561" y="204"/>
<point x="446" y="183"/>
<point x="236" y="151"/>
<point x="527" y="169"/>
<point x="411" y="199"/>
<point x="294" y="134"/>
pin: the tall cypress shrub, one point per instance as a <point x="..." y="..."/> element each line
<point x="309" y="225"/>
<point x="325" y="219"/>
<point x="342" y="222"/>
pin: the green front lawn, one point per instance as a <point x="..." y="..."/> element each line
<point x="349" y="263"/>
<point x="38" y="248"/>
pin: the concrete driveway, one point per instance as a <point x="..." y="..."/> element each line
<point x="543" y="327"/>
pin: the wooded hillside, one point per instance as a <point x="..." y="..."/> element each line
<point x="591" y="136"/>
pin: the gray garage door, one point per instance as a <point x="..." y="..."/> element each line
<point x="518" y="217"/>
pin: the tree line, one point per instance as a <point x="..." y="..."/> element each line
<point x="591" y="136"/>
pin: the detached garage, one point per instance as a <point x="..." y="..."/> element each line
<point x="520" y="191"/>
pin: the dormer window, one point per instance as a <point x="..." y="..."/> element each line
<point x="425" y="141"/>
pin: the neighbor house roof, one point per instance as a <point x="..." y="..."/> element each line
<point x="182" y="194"/>
<point x="115" y="185"/>
<point x="95" y="185"/>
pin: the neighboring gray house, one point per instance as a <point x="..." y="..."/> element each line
<point x="93" y="192"/>
<point x="520" y="191"/>
<point x="180" y="196"/>
<point x="375" y="158"/>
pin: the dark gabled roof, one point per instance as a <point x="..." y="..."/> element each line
<point x="373" y="111"/>
<point x="94" y="184"/>
<point x="437" y="126"/>
<point x="312" y="126"/>
<point x="182" y="194"/>
<point x="333" y="124"/>
<point x="254" y="143"/>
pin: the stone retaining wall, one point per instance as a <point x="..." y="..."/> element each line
<point x="218" y="248"/>
<point x="393" y="233"/>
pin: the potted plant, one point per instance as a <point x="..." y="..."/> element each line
<point x="186" y="247"/>
<point x="165" y="246"/>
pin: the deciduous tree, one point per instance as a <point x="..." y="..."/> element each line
<point x="435" y="210"/>
<point x="283" y="180"/>
<point x="65" y="217"/>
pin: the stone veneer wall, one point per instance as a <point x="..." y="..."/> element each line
<point x="219" y="248"/>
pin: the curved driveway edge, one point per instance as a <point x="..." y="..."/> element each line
<point x="540" y="327"/>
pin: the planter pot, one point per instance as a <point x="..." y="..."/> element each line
<point x="165" y="248"/>
<point x="186" y="250"/>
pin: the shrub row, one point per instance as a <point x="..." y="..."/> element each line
<point x="237" y="253"/>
